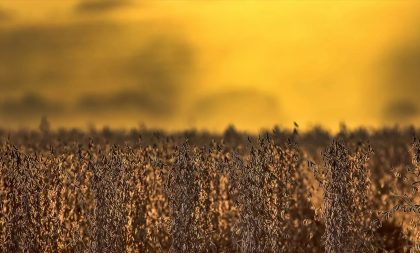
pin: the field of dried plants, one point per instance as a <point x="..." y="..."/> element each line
<point x="147" y="191"/>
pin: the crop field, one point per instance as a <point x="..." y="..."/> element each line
<point x="148" y="191"/>
<point x="170" y="126"/>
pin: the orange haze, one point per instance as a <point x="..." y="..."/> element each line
<point x="208" y="64"/>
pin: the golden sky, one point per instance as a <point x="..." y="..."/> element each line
<point x="208" y="64"/>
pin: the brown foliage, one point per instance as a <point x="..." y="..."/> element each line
<point x="147" y="191"/>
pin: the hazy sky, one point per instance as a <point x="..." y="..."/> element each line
<point x="208" y="64"/>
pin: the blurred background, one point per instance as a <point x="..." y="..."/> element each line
<point x="207" y="64"/>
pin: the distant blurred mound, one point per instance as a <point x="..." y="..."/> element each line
<point x="92" y="6"/>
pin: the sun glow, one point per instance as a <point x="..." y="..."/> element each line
<point x="208" y="64"/>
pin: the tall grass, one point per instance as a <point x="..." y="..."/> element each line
<point x="110" y="192"/>
<point x="346" y="186"/>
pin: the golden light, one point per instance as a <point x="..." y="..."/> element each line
<point x="208" y="64"/>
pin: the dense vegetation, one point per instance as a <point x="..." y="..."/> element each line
<point x="147" y="191"/>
